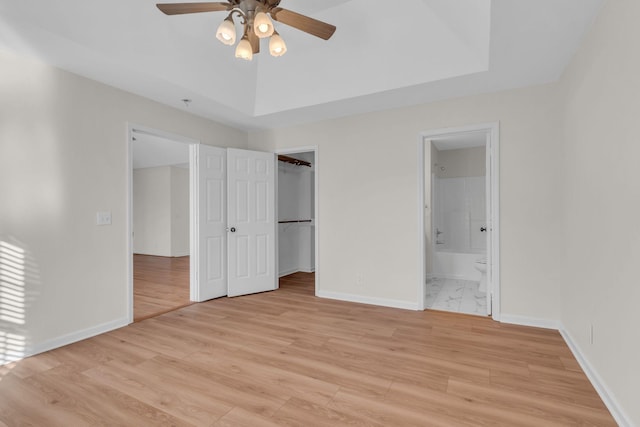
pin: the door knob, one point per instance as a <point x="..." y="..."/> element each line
<point x="232" y="229"/>
<point x="483" y="229"/>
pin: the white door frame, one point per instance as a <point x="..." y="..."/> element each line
<point x="493" y="153"/>
<point x="316" y="180"/>
<point x="132" y="129"/>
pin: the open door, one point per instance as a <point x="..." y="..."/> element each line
<point x="489" y="225"/>
<point x="211" y="235"/>
<point x="251" y="213"/>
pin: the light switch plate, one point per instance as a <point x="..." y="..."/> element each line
<point x="103" y="218"/>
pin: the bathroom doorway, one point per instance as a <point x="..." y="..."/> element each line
<point x="460" y="221"/>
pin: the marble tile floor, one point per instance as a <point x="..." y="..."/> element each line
<point x="460" y="296"/>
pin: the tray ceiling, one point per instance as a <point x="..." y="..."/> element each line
<point x="379" y="57"/>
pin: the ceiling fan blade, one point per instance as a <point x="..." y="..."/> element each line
<point x="181" y="8"/>
<point x="255" y="41"/>
<point x="303" y="23"/>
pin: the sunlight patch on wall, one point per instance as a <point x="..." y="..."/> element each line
<point x="12" y="300"/>
<point x="12" y="284"/>
<point x="12" y="347"/>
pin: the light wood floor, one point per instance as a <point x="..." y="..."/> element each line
<point x="160" y="285"/>
<point x="287" y="358"/>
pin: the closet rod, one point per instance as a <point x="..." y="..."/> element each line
<point x="293" y="161"/>
<point x="294" y="221"/>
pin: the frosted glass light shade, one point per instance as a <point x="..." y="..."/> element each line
<point x="227" y="32"/>
<point x="262" y="25"/>
<point x="277" y="46"/>
<point x="244" y="50"/>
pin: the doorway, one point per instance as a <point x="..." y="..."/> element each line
<point x="297" y="217"/>
<point x="232" y="219"/>
<point x="160" y="221"/>
<point x="459" y="215"/>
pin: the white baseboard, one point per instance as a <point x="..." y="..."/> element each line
<point x="406" y="305"/>
<point x="175" y="255"/>
<point x="529" y="321"/>
<point x="603" y="391"/>
<point x="287" y="272"/>
<point x="71" y="338"/>
<point x="181" y="254"/>
<point x="295" y="270"/>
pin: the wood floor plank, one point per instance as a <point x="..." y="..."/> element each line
<point x="32" y="365"/>
<point x="234" y="391"/>
<point x="97" y="405"/>
<point x="546" y="410"/>
<point x="239" y="417"/>
<point x="283" y="382"/>
<point x="177" y="399"/>
<point x="547" y="389"/>
<point x="23" y="404"/>
<point x="387" y="412"/>
<point x="296" y="409"/>
<point x="160" y="285"/>
<point x="321" y="368"/>
<point x="414" y="363"/>
<point x="287" y="358"/>
<point x="464" y="410"/>
<point x="145" y="334"/>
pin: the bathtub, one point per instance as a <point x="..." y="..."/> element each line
<point x="454" y="265"/>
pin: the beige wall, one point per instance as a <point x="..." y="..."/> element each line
<point x="463" y="162"/>
<point x="601" y="177"/>
<point x="368" y="201"/>
<point x="63" y="157"/>
<point x="152" y="211"/>
<point x="161" y="211"/>
<point x="180" y="211"/>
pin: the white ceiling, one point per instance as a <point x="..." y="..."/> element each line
<point x="379" y="58"/>
<point x="153" y="151"/>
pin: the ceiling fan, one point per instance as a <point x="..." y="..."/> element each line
<point x="253" y="15"/>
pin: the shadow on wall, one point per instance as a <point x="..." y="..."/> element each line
<point x="19" y="287"/>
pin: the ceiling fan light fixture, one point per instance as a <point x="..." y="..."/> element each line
<point x="262" y="25"/>
<point x="244" y="50"/>
<point x="256" y="18"/>
<point x="227" y="32"/>
<point x="277" y="46"/>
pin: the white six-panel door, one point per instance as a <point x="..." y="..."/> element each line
<point x="251" y="222"/>
<point x="211" y="261"/>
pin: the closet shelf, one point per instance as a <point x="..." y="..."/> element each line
<point x="292" y="221"/>
<point x="293" y="161"/>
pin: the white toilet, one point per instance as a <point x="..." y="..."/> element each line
<point x="481" y="266"/>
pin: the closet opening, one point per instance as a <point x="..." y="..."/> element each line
<point x="297" y="218"/>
